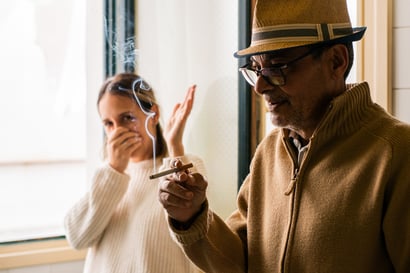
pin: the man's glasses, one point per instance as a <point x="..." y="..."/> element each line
<point x="274" y="74"/>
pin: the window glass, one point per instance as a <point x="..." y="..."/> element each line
<point x="42" y="105"/>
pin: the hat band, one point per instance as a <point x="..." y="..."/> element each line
<point x="300" y="32"/>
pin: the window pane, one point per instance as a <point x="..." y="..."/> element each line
<point x="42" y="103"/>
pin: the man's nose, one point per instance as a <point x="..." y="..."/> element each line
<point x="262" y="85"/>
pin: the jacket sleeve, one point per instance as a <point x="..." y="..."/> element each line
<point x="215" y="245"/>
<point x="86" y="221"/>
<point x="396" y="219"/>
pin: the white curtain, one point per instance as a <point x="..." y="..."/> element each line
<point x="184" y="42"/>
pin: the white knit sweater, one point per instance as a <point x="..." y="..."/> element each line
<point x="123" y="224"/>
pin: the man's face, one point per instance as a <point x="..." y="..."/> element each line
<point x="300" y="103"/>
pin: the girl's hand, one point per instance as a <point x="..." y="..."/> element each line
<point x="175" y="127"/>
<point x="121" y="143"/>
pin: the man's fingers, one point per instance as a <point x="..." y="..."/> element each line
<point x="175" y="189"/>
<point x="176" y="162"/>
<point x="197" y="181"/>
<point x="168" y="200"/>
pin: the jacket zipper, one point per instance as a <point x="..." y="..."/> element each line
<point x="293" y="181"/>
<point x="291" y="188"/>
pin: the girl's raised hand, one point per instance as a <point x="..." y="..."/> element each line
<point x="175" y="127"/>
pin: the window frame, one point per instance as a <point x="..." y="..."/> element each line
<point x="375" y="51"/>
<point x="246" y="97"/>
<point x="38" y="253"/>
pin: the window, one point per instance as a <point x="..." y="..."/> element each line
<point x="43" y="107"/>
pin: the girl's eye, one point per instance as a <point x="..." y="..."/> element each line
<point x="107" y="124"/>
<point x="129" y="118"/>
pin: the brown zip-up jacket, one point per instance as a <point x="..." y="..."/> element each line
<point x="346" y="209"/>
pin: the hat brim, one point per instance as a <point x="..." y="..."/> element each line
<point x="357" y="34"/>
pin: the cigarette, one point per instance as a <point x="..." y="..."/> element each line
<point x="172" y="170"/>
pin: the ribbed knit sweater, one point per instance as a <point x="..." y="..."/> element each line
<point x="346" y="209"/>
<point x="123" y="224"/>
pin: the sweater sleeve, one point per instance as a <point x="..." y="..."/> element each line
<point x="86" y="221"/>
<point x="210" y="244"/>
<point x="396" y="220"/>
<point x="215" y="245"/>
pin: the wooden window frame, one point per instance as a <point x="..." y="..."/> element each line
<point x="375" y="51"/>
<point x="38" y="253"/>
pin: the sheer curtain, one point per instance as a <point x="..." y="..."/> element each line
<point x="192" y="42"/>
<point x="51" y="134"/>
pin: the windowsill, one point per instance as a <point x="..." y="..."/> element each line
<point x="38" y="253"/>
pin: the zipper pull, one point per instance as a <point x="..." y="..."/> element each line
<point x="292" y="183"/>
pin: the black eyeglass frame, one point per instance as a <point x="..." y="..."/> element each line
<point x="276" y="79"/>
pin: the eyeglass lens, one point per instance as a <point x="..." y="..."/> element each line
<point x="272" y="76"/>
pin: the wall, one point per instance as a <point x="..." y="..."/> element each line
<point x="401" y="60"/>
<point x="184" y="42"/>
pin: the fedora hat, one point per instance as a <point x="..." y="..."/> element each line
<point x="281" y="24"/>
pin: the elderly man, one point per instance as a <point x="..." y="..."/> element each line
<point x="328" y="191"/>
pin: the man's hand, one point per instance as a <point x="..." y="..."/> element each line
<point x="182" y="194"/>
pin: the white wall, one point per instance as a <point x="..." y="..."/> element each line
<point x="182" y="42"/>
<point x="401" y="60"/>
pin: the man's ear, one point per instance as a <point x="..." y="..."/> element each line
<point x="339" y="56"/>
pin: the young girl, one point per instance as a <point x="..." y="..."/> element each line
<point x="120" y="219"/>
